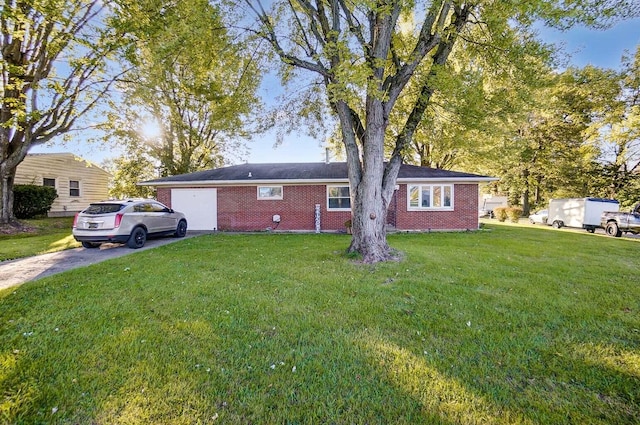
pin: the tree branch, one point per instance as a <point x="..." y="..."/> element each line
<point x="355" y="28"/>
<point x="271" y="37"/>
<point x="395" y="84"/>
<point x="458" y="22"/>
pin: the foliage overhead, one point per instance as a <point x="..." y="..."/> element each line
<point x="192" y="80"/>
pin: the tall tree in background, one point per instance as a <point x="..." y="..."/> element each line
<point x="548" y="153"/>
<point x="54" y="64"/>
<point x="127" y="171"/>
<point x="191" y="80"/>
<point x="578" y="137"/>
<point x="478" y="94"/>
<point x="355" y="48"/>
<point x="618" y="137"/>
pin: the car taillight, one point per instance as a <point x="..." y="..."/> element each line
<point x="118" y="220"/>
<point x="75" y="220"/>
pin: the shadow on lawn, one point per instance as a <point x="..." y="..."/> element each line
<point x="228" y="337"/>
<point x="206" y="368"/>
<point x="554" y="389"/>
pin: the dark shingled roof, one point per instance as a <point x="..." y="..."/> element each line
<point x="320" y="171"/>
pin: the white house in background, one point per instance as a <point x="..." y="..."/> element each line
<point x="77" y="181"/>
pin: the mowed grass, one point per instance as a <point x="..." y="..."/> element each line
<point x="508" y="325"/>
<point x="47" y="235"/>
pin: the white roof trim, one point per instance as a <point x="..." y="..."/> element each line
<point x="447" y="180"/>
<point x="241" y="182"/>
<point x="308" y="182"/>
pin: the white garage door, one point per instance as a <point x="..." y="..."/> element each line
<point x="199" y="205"/>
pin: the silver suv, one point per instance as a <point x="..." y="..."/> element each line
<point x="129" y="221"/>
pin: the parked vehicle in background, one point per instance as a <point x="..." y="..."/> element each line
<point x="489" y="203"/>
<point x="616" y="223"/>
<point x="539" y="217"/>
<point x="128" y="221"/>
<point x="583" y="213"/>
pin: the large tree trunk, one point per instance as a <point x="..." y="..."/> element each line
<point x="375" y="189"/>
<point x="13" y="149"/>
<point x="6" y="195"/>
<point x="370" y="200"/>
<point x="369" y="226"/>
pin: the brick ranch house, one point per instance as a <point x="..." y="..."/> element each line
<point x="315" y="197"/>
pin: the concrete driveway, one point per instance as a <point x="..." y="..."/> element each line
<point x="16" y="272"/>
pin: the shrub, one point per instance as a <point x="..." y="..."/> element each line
<point x="514" y="214"/>
<point x="30" y="201"/>
<point x="500" y="213"/>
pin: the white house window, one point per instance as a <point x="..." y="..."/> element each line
<point x="49" y="182"/>
<point x="269" y="192"/>
<point x="74" y="188"/>
<point x="432" y="196"/>
<point x="338" y="198"/>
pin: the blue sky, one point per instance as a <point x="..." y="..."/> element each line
<point x="583" y="47"/>
<point x="599" y="48"/>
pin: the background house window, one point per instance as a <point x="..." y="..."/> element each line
<point x="430" y="196"/>
<point x="338" y="198"/>
<point x="74" y="188"/>
<point x="49" y="182"/>
<point x="269" y="192"/>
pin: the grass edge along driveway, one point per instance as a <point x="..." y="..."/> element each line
<point x="43" y="236"/>
<point x="503" y="326"/>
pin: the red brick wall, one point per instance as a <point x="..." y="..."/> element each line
<point x="463" y="217"/>
<point x="164" y="195"/>
<point x="240" y="210"/>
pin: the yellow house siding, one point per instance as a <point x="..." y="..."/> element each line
<point x="64" y="168"/>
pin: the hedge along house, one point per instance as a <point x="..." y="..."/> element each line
<point x="315" y="197"/>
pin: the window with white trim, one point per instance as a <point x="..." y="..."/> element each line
<point x="74" y="188"/>
<point x="338" y="198"/>
<point x="430" y="196"/>
<point x="49" y="182"/>
<point x="269" y="192"/>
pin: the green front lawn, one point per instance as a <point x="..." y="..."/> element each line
<point x="510" y="325"/>
<point x="44" y="235"/>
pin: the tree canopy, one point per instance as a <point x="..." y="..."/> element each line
<point x="369" y="55"/>
<point x="578" y="137"/>
<point x="174" y="62"/>
<point x="55" y="67"/>
<point x="191" y="80"/>
<point x="617" y="137"/>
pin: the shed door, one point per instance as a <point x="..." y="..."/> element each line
<point x="199" y="205"/>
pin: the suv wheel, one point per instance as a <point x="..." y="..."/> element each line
<point x="137" y="239"/>
<point x="181" y="230"/>
<point x="90" y="245"/>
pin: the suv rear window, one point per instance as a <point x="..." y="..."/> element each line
<point x="103" y="208"/>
